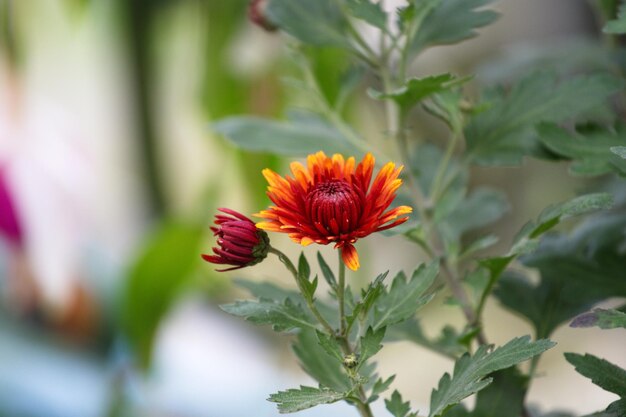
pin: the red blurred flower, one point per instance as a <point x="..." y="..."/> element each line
<point x="9" y="221"/>
<point x="240" y="242"/>
<point x="256" y="13"/>
<point x="332" y="201"/>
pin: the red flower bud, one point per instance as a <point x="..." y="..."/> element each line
<point x="240" y="242"/>
<point x="256" y="13"/>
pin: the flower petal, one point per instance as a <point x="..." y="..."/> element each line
<point x="350" y="256"/>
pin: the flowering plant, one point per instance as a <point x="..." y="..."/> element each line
<point x="333" y="200"/>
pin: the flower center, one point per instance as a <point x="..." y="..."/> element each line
<point x="334" y="207"/>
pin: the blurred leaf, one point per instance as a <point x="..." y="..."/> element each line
<point x="604" y="319"/>
<point x="504" y="133"/>
<point x="397" y="407"/>
<point x="592" y="153"/>
<point x="370" y="12"/>
<point x="445" y="105"/>
<point x="410" y="330"/>
<point x="268" y="290"/>
<point x="470" y="372"/>
<point x="154" y="280"/>
<point x="503" y="398"/>
<point x="370" y="344"/>
<point x="417" y="89"/>
<point x="450" y="21"/>
<point x="379" y="387"/>
<point x="602" y="373"/>
<point x="404" y="297"/>
<point x="299" y="137"/>
<point x="316" y="361"/>
<point x="318" y="22"/>
<point x="482" y="207"/>
<point x="576" y="271"/>
<point x="294" y="400"/>
<point x="617" y="26"/>
<point x="282" y="316"/>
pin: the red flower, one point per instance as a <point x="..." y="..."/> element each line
<point x="241" y="243"/>
<point x="332" y="201"/>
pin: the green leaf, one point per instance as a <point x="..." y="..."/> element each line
<point x="470" y="372"/>
<point x="505" y="132"/>
<point x="483" y="206"/>
<point x="318" y="22"/>
<point x="418" y="89"/>
<point x="370" y="12"/>
<point x="299" y="137"/>
<point x="370" y="344"/>
<point x="268" y="290"/>
<point x="404" y="297"/>
<point x="319" y="363"/>
<point x="592" y="153"/>
<point x="604" y="319"/>
<point x="379" y="387"/>
<point x="619" y="151"/>
<point x="451" y="21"/>
<point x="307" y="287"/>
<point x="368" y="298"/>
<point x="282" y="317"/>
<point x="294" y="400"/>
<point x="602" y="373"/>
<point x="617" y="26"/>
<point x="397" y="407"/>
<point x="504" y="397"/>
<point x="447" y="343"/>
<point x="154" y="280"/>
<point x="330" y="345"/>
<point x="329" y="276"/>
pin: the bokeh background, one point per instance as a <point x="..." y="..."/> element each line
<point x="112" y="174"/>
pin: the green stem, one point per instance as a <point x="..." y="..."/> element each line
<point x="436" y="191"/>
<point x="291" y="267"/>
<point x="341" y="286"/>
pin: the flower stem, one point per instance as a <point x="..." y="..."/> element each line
<point x="341" y="286"/>
<point x="309" y="300"/>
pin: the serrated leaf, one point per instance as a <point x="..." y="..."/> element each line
<point x="318" y="22"/>
<point x="330" y="345"/>
<point x="154" y="281"/>
<point x="504" y="133"/>
<point x="282" y="317"/>
<point x="294" y="400"/>
<point x="268" y="290"/>
<point x="368" y="298"/>
<point x="404" y="297"/>
<point x="451" y="21"/>
<point x="397" y="407"/>
<point x="370" y="12"/>
<point x="604" y="319"/>
<point x="418" y="89"/>
<point x="619" y="151"/>
<point x="370" y="344"/>
<point x="470" y="372"/>
<point x="298" y="137"/>
<point x="591" y="153"/>
<point x="379" y="387"/>
<point x="602" y="373"/>
<point x="317" y="362"/>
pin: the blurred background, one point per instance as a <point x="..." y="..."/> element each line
<point x="110" y="176"/>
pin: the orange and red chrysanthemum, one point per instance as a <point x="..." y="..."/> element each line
<point x="332" y="200"/>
